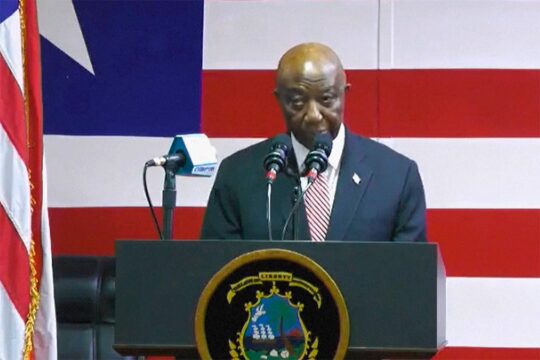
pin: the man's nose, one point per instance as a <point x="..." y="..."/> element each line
<point x="312" y="113"/>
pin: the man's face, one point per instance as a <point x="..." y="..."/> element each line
<point x="312" y="101"/>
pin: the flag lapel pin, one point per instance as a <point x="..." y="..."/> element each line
<point x="356" y="179"/>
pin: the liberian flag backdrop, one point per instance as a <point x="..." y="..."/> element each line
<point x="453" y="84"/>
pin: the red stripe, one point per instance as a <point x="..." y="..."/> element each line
<point x="458" y="353"/>
<point x="387" y="103"/>
<point x="462" y="353"/>
<point x="14" y="268"/>
<point x="92" y="231"/>
<point x="460" y="103"/>
<point x="258" y="113"/>
<point x="12" y="110"/>
<point x="491" y="243"/>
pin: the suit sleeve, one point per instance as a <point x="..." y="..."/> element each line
<point x="222" y="220"/>
<point x="411" y="217"/>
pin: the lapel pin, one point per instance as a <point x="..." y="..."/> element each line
<point x="356" y="178"/>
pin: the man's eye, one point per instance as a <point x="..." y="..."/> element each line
<point x="297" y="102"/>
<point x="328" y="99"/>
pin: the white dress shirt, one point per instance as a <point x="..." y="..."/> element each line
<point x="334" y="160"/>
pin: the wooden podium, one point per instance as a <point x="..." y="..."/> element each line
<point x="394" y="292"/>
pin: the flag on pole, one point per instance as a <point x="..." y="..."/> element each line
<point x="27" y="314"/>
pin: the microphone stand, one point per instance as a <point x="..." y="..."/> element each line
<point x="296" y="197"/>
<point x="169" y="199"/>
<point x="269" y="208"/>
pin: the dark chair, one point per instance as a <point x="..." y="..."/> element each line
<point x="84" y="289"/>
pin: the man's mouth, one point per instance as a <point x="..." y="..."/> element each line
<point x="315" y="131"/>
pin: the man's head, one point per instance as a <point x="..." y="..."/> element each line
<point x="310" y="88"/>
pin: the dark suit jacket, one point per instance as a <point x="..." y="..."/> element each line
<point x="387" y="205"/>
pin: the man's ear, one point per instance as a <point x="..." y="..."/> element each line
<point x="276" y="93"/>
<point x="347" y="86"/>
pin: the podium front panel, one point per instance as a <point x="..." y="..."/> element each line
<point x="394" y="292"/>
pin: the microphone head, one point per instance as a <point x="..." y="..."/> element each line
<point x="323" y="141"/>
<point x="317" y="159"/>
<point x="281" y="141"/>
<point x="200" y="155"/>
<point x="276" y="159"/>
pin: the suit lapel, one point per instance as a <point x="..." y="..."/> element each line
<point x="354" y="177"/>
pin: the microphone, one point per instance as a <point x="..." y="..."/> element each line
<point x="177" y="159"/>
<point x="189" y="155"/>
<point x="276" y="160"/>
<point x="316" y="162"/>
<point x="317" y="159"/>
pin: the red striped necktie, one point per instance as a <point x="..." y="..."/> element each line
<point x="317" y="199"/>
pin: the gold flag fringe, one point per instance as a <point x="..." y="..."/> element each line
<point x="34" y="292"/>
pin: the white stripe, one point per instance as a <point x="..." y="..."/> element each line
<point x="493" y="312"/>
<point x="411" y="34"/>
<point x="254" y="34"/>
<point x="45" y="328"/>
<point x="494" y="173"/>
<point x="10" y="46"/>
<point x="459" y="34"/>
<point x="15" y="188"/>
<point x="107" y="171"/>
<point x="11" y="329"/>
<point x="487" y="173"/>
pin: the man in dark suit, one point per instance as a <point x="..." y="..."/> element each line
<point x="371" y="192"/>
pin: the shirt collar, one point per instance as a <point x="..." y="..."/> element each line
<point x="300" y="151"/>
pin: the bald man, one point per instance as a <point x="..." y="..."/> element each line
<point x="370" y="192"/>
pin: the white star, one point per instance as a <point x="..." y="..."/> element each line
<point x="58" y="23"/>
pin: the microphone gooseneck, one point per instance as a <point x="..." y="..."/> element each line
<point x="317" y="159"/>
<point x="276" y="160"/>
<point x="298" y="198"/>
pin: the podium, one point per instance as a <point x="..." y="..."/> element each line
<point x="394" y="293"/>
